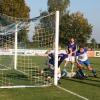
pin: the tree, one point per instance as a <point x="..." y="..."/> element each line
<point x="61" y="5"/>
<point x="93" y="42"/>
<point x="76" y="26"/>
<point x="15" y="9"/>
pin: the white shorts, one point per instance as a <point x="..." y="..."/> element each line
<point x="70" y="58"/>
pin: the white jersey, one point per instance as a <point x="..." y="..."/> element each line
<point x="82" y="56"/>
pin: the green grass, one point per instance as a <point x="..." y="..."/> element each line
<point x="50" y="93"/>
<point x="30" y="65"/>
<point x="89" y="88"/>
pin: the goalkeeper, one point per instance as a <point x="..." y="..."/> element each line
<point x="51" y="59"/>
<point x="50" y="63"/>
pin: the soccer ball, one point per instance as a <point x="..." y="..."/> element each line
<point x="48" y="78"/>
<point x="71" y="74"/>
<point x="42" y="72"/>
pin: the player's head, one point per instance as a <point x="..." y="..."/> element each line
<point x="81" y="48"/>
<point x="72" y="40"/>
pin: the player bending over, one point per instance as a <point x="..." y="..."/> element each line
<point x="61" y="58"/>
<point x="51" y="59"/>
<point x="50" y="64"/>
<point x="82" y="59"/>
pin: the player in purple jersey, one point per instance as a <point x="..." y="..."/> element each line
<point x="61" y="58"/>
<point x="72" y="48"/>
<point x="51" y="59"/>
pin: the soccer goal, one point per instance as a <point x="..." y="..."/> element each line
<point x="21" y="62"/>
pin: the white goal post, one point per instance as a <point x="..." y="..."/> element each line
<point x="56" y="46"/>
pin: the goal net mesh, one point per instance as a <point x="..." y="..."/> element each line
<point x="22" y="62"/>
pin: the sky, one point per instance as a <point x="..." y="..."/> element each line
<point x="90" y="9"/>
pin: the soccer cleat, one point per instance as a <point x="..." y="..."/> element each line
<point x="85" y="77"/>
<point x="95" y="76"/>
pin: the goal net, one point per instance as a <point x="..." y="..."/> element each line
<point x="22" y="62"/>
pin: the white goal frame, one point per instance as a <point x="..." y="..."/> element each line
<point x="56" y="46"/>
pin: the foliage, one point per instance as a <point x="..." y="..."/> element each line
<point x="61" y="5"/>
<point x="76" y="26"/>
<point x="93" y="43"/>
<point x="71" y="25"/>
<point x="14" y="9"/>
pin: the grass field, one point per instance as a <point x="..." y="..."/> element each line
<point x="89" y="88"/>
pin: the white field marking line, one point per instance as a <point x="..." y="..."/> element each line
<point x="73" y="93"/>
<point x="23" y="86"/>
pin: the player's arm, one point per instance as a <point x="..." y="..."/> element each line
<point x="77" y="62"/>
<point x="70" y="51"/>
<point x="59" y="58"/>
<point x="66" y="62"/>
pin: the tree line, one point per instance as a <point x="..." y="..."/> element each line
<point x="71" y="24"/>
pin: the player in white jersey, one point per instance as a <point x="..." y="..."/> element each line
<point x="82" y="59"/>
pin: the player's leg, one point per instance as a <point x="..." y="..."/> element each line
<point x="80" y="68"/>
<point x="72" y="63"/>
<point x="71" y="60"/>
<point x="66" y="62"/>
<point x="64" y="73"/>
<point x="59" y="75"/>
<point x="90" y="68"/>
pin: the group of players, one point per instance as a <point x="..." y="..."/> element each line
<point x="74" y="56"/>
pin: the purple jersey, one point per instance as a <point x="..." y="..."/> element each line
<point x="51" y="58"/>
<point x="61" y="58"/>
<point x="73" y="46"/>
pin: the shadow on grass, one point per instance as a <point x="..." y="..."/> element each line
<point x="16" y="76"/>
<point x="86" y="81"/>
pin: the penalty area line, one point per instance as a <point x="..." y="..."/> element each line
<point x="73" y="93"/>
